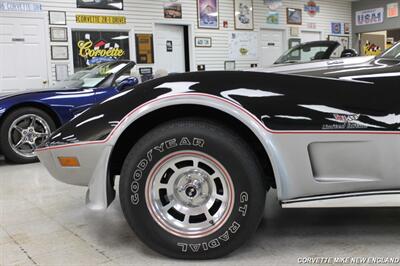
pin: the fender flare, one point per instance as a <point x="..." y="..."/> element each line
<point x="264" y="134"/>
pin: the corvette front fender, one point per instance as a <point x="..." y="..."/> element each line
<point x="264" y="135"/>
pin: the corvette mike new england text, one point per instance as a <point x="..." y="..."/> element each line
<point x="349" y="260"/>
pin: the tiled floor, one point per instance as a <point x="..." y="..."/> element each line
<point x="44" y="222"/>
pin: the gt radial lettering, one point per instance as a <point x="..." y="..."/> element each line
<point x="214" y="243"/>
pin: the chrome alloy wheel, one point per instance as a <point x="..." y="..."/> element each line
<point x="26" y="133"/>
<point x="189" y="194"/>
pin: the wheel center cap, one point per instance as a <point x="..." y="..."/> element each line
<point x="191" y="191"/>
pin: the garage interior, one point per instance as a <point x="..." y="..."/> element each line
<point x="45" y="222"/>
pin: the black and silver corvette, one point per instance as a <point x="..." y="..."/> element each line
<point x="197" y="152"/>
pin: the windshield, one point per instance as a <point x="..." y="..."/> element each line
<point x="392" y="53"/>
<point x="307" y="52"/>
<point x="91" y="76"/>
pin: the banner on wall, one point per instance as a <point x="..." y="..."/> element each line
<point x="19" y="6"/>
<point x="92" y="47"/>
<point x="370" y="16"/>
<point x="243" y="45"/>
<point x="91" y="19"/>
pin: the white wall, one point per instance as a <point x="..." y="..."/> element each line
<point x="141" y="15"/>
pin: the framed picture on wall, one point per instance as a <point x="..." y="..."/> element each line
<point x="203" y="42"/>
<point x="61" y="72"/>
<point x="244" y="19"/>
<point x="294" y="16"/>
<point x="346" y="28"/>
<point x="230" y="65"/>
<point x="336" y="27"/>
<point x="59" y="52"/>
<point x="91" y="47"/>
<point x="172" y="10"/>
<point x="145" y="49"/>
<point x="208" y="14"/>
<point x="392" y="10"/>
<point x="101" y="4"/>
<point x="58" y="34"/>
<point x="57" y="18"/>
<point x="273" y="17"/>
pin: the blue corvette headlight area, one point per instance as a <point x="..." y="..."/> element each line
<point x="2" y="110"/>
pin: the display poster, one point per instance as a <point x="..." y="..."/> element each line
<point x="208" y="14"/>
<point x="172" y="10"/>
<point x="346" y="28"/>
<point x="370" y="16"/>
<point x="244" y="15"/>
<point x="336" y="27"/>
<point x="92" y="47"/>
<point x="243" y="45"/>
<point x="272" y="17"/>
<point x="392" y="10"/>
<point x="144" y="48"/>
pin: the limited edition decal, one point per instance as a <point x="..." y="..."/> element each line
<point x="345" y="121"/>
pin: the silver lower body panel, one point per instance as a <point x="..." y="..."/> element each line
<point x="361" y="199"/>
<point x="92" y="172"/>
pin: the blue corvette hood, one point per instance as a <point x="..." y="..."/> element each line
<point x="7" y="95"/>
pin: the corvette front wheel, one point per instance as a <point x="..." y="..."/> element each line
<point x="22" y="131"/>
<point x="192" y="189"/>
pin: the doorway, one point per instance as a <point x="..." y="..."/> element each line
<point x="374" y="43"/>
<point x="172" y="48"/>
<point x="23" y="58"/>
<point x="310" y="36"/>
<point x="271" y="45"/>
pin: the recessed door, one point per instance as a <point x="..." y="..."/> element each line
<point x="170" y="48"/>
<point x="272" y="46"/>
<point x="310" y="36"/>
<point x="373" y="43"/>
<point x="23" y="63"/>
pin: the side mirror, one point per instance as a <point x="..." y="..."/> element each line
<point x="127" y="82"/>
<point x="349" y="53"/>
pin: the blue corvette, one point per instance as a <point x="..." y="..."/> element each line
<point x="27" y="118"/>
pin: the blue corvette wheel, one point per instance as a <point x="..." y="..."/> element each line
<point x="22" y="131"/>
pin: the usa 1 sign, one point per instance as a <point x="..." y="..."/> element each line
<point x="370" y="16"/>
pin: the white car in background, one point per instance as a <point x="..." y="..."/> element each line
<point x="317" y="54"/>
